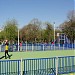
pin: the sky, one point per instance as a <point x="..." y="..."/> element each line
<point x="26" y="10"/>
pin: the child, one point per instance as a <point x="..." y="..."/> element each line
<point x="6" y="50"/>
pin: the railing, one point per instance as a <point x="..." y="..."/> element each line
<point x="39" y="66"/>
<point x="42" y="66"/>
<point x="39" y="47"/>
<point x="66" y="64"/>
<point x="9" y="67"/>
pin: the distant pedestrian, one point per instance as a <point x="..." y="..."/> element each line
<point x="52" y="43"/>
<point x="20" y="46"/>
<point x="6" y="49"/>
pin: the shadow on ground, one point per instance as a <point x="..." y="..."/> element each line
<point x="4" y="56"/>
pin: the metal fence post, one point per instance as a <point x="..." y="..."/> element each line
<point x="72" y="46"/>
<point x="26" y="46"/>
<point x="18" y="67"/>
<point x="43" y="47"/>
<point x="0" y="48"/>
<point x="59" y="46"/>
<point x="63" y="46"/>
<point x="32" y="47"/>
<point x="21" y="66"/>
<point x="56" y="65"/>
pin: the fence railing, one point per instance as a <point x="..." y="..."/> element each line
<point x="39" y="47"/>
<point x="38" y="66"/>
<point x="43" y="66"/>
<point x="10" y="67"/>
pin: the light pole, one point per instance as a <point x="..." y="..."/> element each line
<point x="54" y="35"/>
<point x="18" y="39"/>
<point x="74" y="39"/>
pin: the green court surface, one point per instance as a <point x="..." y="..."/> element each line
<point x="39" y="54"/>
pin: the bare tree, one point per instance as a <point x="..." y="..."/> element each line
<point x="68" y="27"/>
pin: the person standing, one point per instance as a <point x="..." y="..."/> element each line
<point x="20" y="46"/>
<point x="6" y="49"/>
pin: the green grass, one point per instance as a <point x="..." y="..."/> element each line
<point x="39" y="54"/>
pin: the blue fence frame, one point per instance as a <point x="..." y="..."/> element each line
<point x="9" y="67"/>
<point x="39" y="66"/>
<point x="42" y="66"/>
<point x="39" y="47"/>
<point x="66" y="64"/>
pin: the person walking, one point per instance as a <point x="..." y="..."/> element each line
<point x="6" y="49"/>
